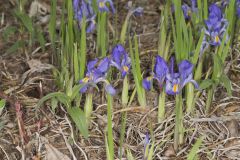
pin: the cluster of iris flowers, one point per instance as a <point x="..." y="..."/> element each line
<point x="216" y="26"/>
<point x="174" y="81"/>
<point x="97" y="69"/>
<point x="85" y="8"/>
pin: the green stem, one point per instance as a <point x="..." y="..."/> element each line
<point x="88" y="107"/>
<point x="190" y="103"/>
<point x="109" y="127"/>
<point x="209" y="99"/>
<point x="179" y="130"/>
<point x="125" y="91"/>
<point x="161" y="106"/>
<point x="190" y="98"/>
<point x="122" y="134"/>
<point x="103" y="33"/>
<point x="124" y="114"/>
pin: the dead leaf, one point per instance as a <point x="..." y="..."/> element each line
<point x="35" y="66"/>
<point x="53" y="153"/>
<point x="40" y="10"/>
<point x="170" y="152"/>
<point x="233" y="128"/>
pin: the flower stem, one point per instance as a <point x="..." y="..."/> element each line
<point x="161" y="106"/>
<point x="109" y="127"/>
<point x="125" y="91"/>
<point x="179" y="130"/>
<point x="124" y="114"/>
<point x="209" y="99"/>
<point x="88" y="106"/>
<point x="190" y="103"/>
<point x="122" y="134"/>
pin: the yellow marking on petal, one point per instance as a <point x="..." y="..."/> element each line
<point x="101" y="4"/>
<point x="149" y="78"/>
<point x="217" y="39"/>
<point x="175" y="88"/>
<point x="86" y="79"/>
<point x="189" y="13"/>
<point x="125" y="68"/>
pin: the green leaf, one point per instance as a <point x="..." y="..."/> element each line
<point x="2" y="103"/>
<point x="150" y="153"/>
<point x="226" y="83"/>
<point x="41" y="39"/>
<point x="59" y="95"/>
<point x="69" y="88"/>
<point x="137" y="72"/>
<point x="26" y="21"/>
<point x="194" y="150"/>
<point x="52" y="22"/>
<point x="197" y="51"/>
<point x="217" y="67"/>
<point x="107" y="148"/>
<point x="205" y="9"/>
<point x="129" y="155"/>
<point x="76" y="90"/>
<point x="54" y="104"/>
<point x="15" y="46"/>
<point x="79" y="119"/>
<point x="9" y="31"/>
<point x="206" y="83"/>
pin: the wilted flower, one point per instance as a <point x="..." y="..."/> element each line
<point x="102" y="5"/>
<point x="120" y="59"/>
<point x="159" y="73"/>
<point x="176" y="81"/>
<point x="96" y="73"/>
<point x="132" y="10"/>
<point x="83" y="8"/>
<point x="137" y="11"/>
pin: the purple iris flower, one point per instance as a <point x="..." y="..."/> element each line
<point x="159" y="73"/>
<point x="83" y="8"/>
<point x="176" y="81"/>
<point x="216" y="26"/>
<point x="102" y="6"/>
<point x="215" y="12"/>
<point x="96" y="73"/>
<point x="120" y="59"/>
<point x="187" y="11"/>
<point x="238" y="8"/>
<point x="146" y="143"/>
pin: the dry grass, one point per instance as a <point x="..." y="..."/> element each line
<point x="45" y="129"/>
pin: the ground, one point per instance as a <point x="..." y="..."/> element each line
<point x="27" y="132"/>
